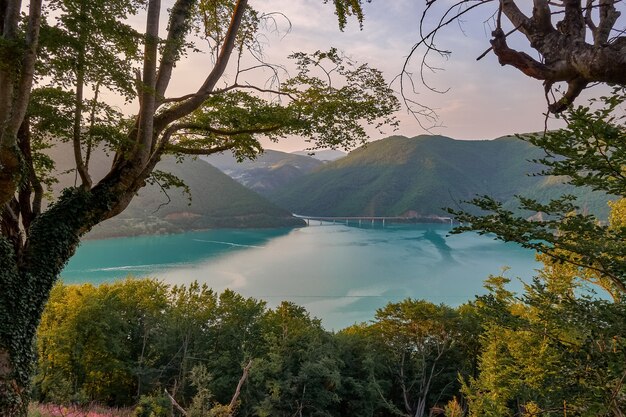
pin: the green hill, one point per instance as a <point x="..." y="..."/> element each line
<point x="217" y="201"/>
<point x="421" y="175"/>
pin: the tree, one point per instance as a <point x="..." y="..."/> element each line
<point x="223" y="114"/>
<point x="97" y="343"/>
<point x="579" y="43"/>
<point x="589" y="152"/>
<point x="554" y="351"/>
<point x="300" y="373"/>
<point x="560" y="333"/>
<point x="421" y="346"/>
<point x="548" y="351"/>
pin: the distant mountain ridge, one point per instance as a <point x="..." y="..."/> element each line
<point x="270" y="171"/>
<point x="397" y="176"/>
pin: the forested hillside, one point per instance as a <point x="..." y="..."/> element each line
<point x="212" y="200"/>
<point x="422" y="175"/>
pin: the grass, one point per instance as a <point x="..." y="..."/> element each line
<point x="54" y="410"/>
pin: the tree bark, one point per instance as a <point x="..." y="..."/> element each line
<point x="566" y="56"/>
<point x="15" y="85"/>
<point x="27" y="276"/>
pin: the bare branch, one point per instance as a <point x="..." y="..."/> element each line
<point x="542" y="15"/>
<point x="589" y="21"/>
<point x="515" y="16"/>
<point x="564" y="54"/>
<point x="175" y="403"/>
<point x="265" y="90"/>
<point x="481" y="56"/>
<point x="15" y="87"/>
<point x="242" y="380"/>
<point x="27" y="68"/>
<point x="172" y="148"/>
<point x="518" y="59"/>
<point x="427" y="41"/>
<point x="574" y="88"/>
<point x="199" y="129"/>
<point x="573" y="23"/>
<point x="81" y="168"/>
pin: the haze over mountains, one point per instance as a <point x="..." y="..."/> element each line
<point x="270" y="171"/>
<point x="325" y="155"/>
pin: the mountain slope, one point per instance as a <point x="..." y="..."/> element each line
<point x="270" y="171"/>
<point x="217" y="201"/>
<point x="422" y="175"/>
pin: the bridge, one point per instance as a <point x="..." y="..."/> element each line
<point x="372" y="219"/>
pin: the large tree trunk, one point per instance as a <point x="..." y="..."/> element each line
<point x="26" y="277"/>
<point x="14" y="360"/>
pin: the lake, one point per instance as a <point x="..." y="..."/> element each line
<point x="340" y="274"/>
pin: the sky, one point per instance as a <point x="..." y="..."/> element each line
<point x="483" y="100"/>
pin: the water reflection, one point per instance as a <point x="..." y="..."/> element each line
<point x="339" y="273"/>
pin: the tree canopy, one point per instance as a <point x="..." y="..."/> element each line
<point x="59" y="64"/>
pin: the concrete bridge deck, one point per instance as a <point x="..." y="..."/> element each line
<point x="372" y="219"/>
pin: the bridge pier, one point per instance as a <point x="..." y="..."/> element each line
<point x="362" y="221"/>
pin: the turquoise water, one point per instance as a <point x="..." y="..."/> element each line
<point x="341" y="274"/>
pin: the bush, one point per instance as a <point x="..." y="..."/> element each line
<point x="153" y="406"/>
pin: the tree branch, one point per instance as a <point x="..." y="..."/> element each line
<point x="175" y="403"/>
<point x="77" y="128"/>
<point x="27" y="68"/>
<point x="172" y="148"/>
<point x="242" y="380"/>
<point x="10" y="11"/>
<point x="608" y="18"/>
<point x="186" y="107"/>
<point x="518" y="59"/>
<point x="589" y="21"/>
<point x="515" y="15"/>
<point x="178" y="27"/>
<point x="14" y="101"/>
<point x="542" y="15"/>
<point x="573" y="24"/>
<point x="143" y="145"/>
<point x="574" y="88"/>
